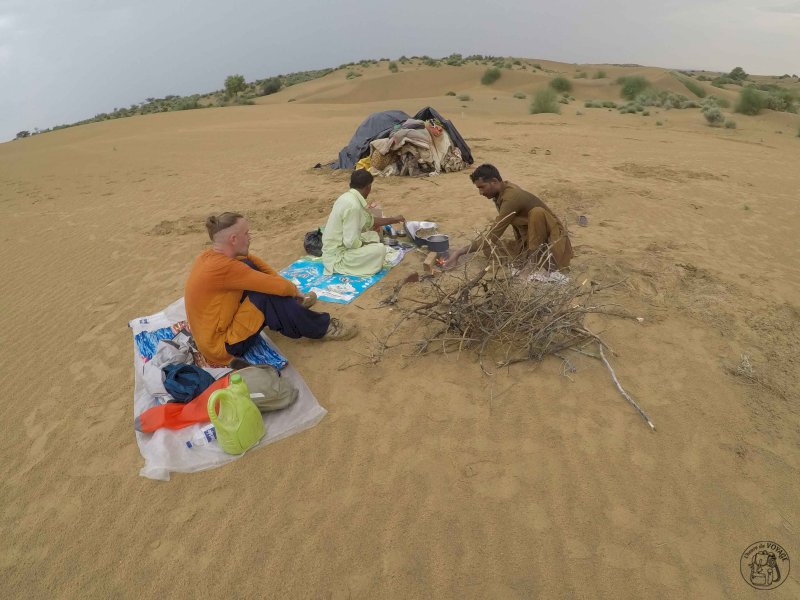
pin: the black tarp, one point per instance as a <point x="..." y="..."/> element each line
<point x="380" y="124"/>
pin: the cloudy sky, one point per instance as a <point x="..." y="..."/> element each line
<point x="67" y="60"/>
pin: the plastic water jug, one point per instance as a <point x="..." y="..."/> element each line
<point x="236" y="419"/>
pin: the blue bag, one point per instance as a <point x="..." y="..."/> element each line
<point x="185" y="382"/>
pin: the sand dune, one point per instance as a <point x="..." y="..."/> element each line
<point x="427" y="478"/>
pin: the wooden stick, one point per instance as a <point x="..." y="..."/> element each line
<point x="622" y="391"/>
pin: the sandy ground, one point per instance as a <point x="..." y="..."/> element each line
<point x="427" y="479"/>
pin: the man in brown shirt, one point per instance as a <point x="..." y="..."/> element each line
<point x="536" y="229"/>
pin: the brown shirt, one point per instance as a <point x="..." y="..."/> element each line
<point x="513" y="205"/>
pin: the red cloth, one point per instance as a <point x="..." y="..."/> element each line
<point x="174" y="415"/>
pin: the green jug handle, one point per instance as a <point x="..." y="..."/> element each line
<point x="212" y="404"/>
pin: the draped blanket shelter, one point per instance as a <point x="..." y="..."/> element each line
<point x="392" y="143"/>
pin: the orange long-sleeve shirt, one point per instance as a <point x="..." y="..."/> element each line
<point x="212" y="295"/>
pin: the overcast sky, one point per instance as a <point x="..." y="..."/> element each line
<point x="66" y="60"/>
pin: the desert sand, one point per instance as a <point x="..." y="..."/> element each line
<point x="427" y="479"/>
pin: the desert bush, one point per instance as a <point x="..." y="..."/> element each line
<point x="659" y="123"/>
<point x="22" y="134"/>
<point x="694" y="87"/>
<point x="393" y="67"/>
<point x="520" y="95"/>
<point x="491" y="75"/>
<point x="592" y="104"/>
<point x="465" y="97"/>
<point x="234" y="84"/>
<point x="561" y="84"/>
<point x="454" y="60"/>
<point x="430" y="62"/>
<point x="730" y="124"/>
<point x="721" y="102"/>
<point x="450" y="94"/>
<point x="537" y="66"/>
<point x="632" y="86"/>
<point x="581" y="75"/>
<point x="352" y="75"/>
<point x="738" y="74"/>
<point x="713" y="116"/>
<point x="646" y="113"/>
<point x="599" y="75"/>
<point x="271" y="85"/>
<point x="750" y="101"/>
<point x="609" y="104"/>
<point x="781" y="100"/>
<point x="403" y="59"/>
<point x="545" y="101"/>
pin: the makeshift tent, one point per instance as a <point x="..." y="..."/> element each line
<point x="381" y="125"/>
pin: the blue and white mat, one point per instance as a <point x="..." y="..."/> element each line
<point x="308" y="274"/>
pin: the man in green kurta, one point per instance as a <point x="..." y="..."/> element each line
<point x="349" y="244"/>
<point x="537" y="231"/>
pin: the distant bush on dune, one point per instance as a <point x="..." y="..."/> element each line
<point x="730" y="124"/>
<point x="450" y="94"/>
<point x="693" y="86"/>
<point x="520" y="95"/>
<point x="352" y="75"/>
<point x="713" y="116"/>
<point x="465" y="97"/>
<point x="561" y="84"/>
<point x="750" y="102"/>
<point x="393" y="67"/>
<point x="271" y="86"/>
<point x="545" y="101"/>
<point x="581" y="75"/>
<point x="599" y="75"/>
<point x="491" y="75"/>
<point x="632" y="86"/>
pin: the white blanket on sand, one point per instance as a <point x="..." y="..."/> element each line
<point x="165" y="450"/>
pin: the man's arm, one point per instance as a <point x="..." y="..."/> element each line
<point x="500" y="224"/>
<point x="381" y="221"/>
<point x="242" y="277"/>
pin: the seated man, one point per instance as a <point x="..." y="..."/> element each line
<point x="232" y="295"/>
<point x="348" y="244"/>
<point x="537" y="230"/>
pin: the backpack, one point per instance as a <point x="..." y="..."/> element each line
<point x="312" y="242"/>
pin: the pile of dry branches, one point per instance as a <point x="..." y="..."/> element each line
<point x="500" y="311"/>
<point x="505" y="312"/>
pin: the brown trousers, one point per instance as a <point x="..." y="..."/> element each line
<point x="545" y="230"/>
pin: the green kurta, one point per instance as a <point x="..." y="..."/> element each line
<point x="348" y="245"/>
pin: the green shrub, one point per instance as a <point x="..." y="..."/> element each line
<point x="581" y="75"/>
<point x="430" y="62"/>
<point x="632" y="86"/>
<point x="646" y="113"/>
<point x="694" y="87"/>
<point x="781" y="100"/>
<point x="750" y="101"/>
<point x="520" y="95"/>
<point x="454" y="60"/>
<point x="352" y="75"/>
<point x="491" y="75"/>
<point x="713" y="116"/>
<point x="659" y="123"/>
<point x="393" y="67"/>
<point x="609" y="104"/>
<point x="537" y="66"/>
<point x="271" y="85"/>
<point x="738" y="74"/>
<point x="465" y="97"/>
<point x="730" y="124"/>
<point x="721" y="102"/>
<point x="234" y="84"/>
<point x="599" y="75"/>
<point x="561" y="84"/>
<point x="450" y="94"/>
<point x="545" y="101"/>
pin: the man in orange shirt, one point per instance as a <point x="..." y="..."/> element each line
<point x="232" y="295"/>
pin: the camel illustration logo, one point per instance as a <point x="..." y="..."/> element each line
<point x="764" y="565"/>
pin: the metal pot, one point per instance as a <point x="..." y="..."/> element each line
<point x="438" y="243"/>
